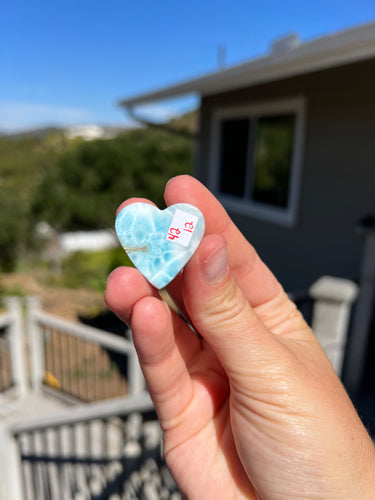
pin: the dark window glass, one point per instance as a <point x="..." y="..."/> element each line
<point x="272" y="159"/>
<point x="234" y="136"/>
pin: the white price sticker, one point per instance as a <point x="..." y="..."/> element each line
<point x="182" y="228"/>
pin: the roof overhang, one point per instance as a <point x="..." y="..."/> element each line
<point x="353" y="45"/>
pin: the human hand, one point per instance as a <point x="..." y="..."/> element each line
<point x="250" y="406"/>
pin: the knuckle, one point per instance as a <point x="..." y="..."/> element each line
<point x="229" y="308"/>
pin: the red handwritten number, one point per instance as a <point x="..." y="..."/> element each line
<point x="189" y="226"/>
<point x="173" y="233"/>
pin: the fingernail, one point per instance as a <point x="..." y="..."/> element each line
<point x="214" y="267"/>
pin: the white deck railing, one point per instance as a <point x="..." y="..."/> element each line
<point x="23" y="344"/>
<point x="74" y="448"/>
<point x="43" y="327"/>
<point x="86" y="413"/>
<point x="332" y="302"/>
<point x="12" y="348"/>
<point x="105" y="450"/>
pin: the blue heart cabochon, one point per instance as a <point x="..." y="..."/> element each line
<point x="160" y="242"/>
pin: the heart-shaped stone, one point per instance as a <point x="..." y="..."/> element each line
<point x="160" y="242"/>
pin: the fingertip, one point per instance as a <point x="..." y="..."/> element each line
<point x="146" y="310"/>
<point x="187" y="189"/>
<point x="125" y="286"/>
<point x="179" y="179"/>
<point x="133" y="200"/>
<point x="179" y="187"/>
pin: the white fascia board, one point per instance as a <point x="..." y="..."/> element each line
<point x="345" y="47"/>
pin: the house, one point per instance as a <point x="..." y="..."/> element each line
<point x="91" y="132"/>
<point x="287" y="143"/>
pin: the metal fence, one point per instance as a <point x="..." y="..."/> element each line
<point x="83" y="362"/>
<point x="101" y="451"/>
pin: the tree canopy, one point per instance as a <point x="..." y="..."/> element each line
<point x="92" y="178"/>
<point x="77" y="184"/>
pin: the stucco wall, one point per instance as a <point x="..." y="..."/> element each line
<point x="338" y="173"/>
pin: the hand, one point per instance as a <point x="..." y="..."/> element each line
<point x="250" y="405"/>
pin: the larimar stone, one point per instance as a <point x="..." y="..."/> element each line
<point x="160" y="242"/>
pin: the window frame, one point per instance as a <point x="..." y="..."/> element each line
<point x="279" y="215"/>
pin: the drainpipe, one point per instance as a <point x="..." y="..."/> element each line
<point x="364" y="311"/>
<point x="194" y="137"/>
<point x="161" y="126"/>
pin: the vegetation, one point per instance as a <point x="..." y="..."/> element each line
<point x="76" y="184"/>
<point x="23" y="163"/>
<point x="92" y="178"/>
<point x="89" y="268"/>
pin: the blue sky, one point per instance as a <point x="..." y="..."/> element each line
<point x="69" y="62"/>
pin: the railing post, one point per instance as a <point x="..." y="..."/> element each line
<point x="136" y="381"/>
<point x="333" y="301"/>
<point x="36" y="344"/>
<point x="10" y="467"/>
<point x="17" y="347"/>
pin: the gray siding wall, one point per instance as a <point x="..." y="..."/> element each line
<point x="338" y="173"/>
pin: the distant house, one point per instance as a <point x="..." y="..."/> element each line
<point x="287" y="142"/>
<point x="93" y="132"/>
<point x="87" y="241"/>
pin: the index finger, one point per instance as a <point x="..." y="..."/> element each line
<point x="250" y="273"/>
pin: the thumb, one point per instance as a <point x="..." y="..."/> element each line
<point x="223" y="316"/>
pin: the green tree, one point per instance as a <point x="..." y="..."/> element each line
<point x="11" y="227"/>
<point x="23" y="163"/>
<point x="92" y="178"/>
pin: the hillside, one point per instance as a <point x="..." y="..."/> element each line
<point x="75" y="184"/>
<point x="186" y="123"/>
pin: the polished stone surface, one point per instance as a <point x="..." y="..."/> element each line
<point x="160" y="242"/>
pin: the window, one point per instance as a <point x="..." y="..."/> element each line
<point x="256" y="156"/>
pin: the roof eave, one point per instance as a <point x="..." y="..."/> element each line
<point x="343" y="48"/>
